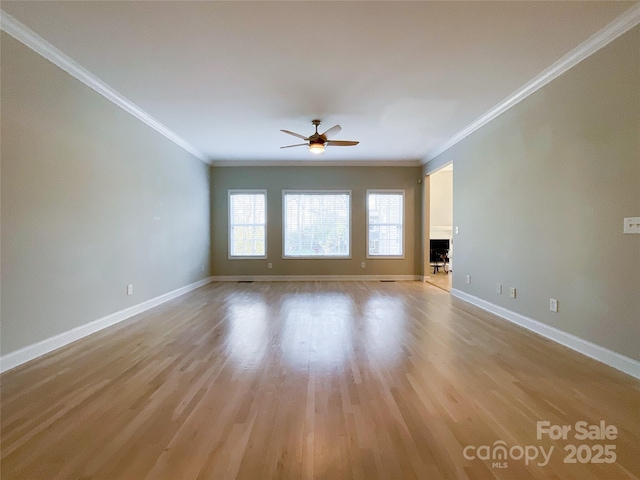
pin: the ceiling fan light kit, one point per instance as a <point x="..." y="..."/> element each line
<point x="316" y="147"/>
<point x="318" y="141"/>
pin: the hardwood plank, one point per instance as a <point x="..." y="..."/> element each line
<point x="309" y="380"/>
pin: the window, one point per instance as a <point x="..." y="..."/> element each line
<point x="385" y="213"/>
<point x="316" y="224"/>
<point x="247" y="223"/>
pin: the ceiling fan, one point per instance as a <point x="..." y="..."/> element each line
<point x="318" y="141"/>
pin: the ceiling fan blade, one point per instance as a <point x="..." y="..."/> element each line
<point x="295" y="134"/>
<point x="332" y="131"/>
<point x="342" y="143"/>
<point x="296" y="145"/>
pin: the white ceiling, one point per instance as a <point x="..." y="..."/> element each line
<point x="400" y="77"/>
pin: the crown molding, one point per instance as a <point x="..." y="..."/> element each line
<point x="39" y="45"/>
<point x="618" y="27"/>
<point x="315" y="163"/>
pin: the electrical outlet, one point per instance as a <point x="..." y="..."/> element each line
<point x="269" y="265"/>
<point x="457" y="230"/>
<point x="632" y="225"/>
<point x="512" y="292"/>
<point x="553" y="304"/>
<point x="468" y="278"/>
<point x="130" y="289"/>
<point x="499" y="288"/>
<point x="362" y="265"/>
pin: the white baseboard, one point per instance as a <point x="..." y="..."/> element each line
<point x="312" y="278"/>
<point x="601" y="354"/>
<point x="25" y="354"/>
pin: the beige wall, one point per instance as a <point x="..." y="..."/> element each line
<point x="356" y="179"/>
<point x="540" y="194"/>
<point x="92" y="200"/>
<point x="441" y="202"/>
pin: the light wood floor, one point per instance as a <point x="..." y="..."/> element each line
<point x="322" y="380"/>
<point x="440" y="279"/>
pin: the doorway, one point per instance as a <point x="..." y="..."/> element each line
<point x="440" y="245"/>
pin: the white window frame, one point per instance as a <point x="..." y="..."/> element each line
<point x="316" y="192"/>
<point x="229" y="224"/>
<point x="403" y="230"/>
